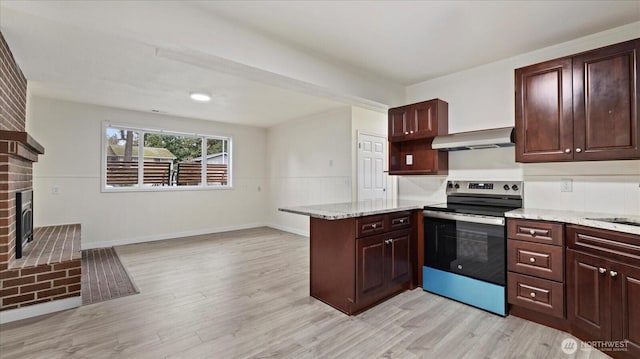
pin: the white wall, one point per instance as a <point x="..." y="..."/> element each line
<point x="71" y="134"/>
<point x="483" y="97"/>
<point x="309" y="162"/>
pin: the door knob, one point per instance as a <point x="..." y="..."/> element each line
<point x="602" y="270"/>
<point x="613" y="273"/>
<point x="578" y="149"/>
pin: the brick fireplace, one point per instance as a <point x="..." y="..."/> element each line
<point x="54" y="272"/>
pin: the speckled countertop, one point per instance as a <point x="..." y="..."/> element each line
<point x="580" y="218"/>
<point x="353" y="209"/>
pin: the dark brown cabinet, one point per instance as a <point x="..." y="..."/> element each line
<point x="383" y="262"/>
<point x="589" y="296"/>
<point x="535" y="277"/>
<point x="603" y="287"/>
<point x="419" y="120"/>
<point x="579" y="108"/>
<point x="358" y="262"/>
<point x="398" y="123"/>
<point x="411" y="131"/>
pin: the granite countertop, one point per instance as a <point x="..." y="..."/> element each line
<point x="580" y="218"/>
<point x="354" y="209"/>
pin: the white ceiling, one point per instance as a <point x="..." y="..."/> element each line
<point x="270" y="61"/>
<point x="412" y="41"/>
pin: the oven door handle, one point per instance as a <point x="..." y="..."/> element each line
<point x="496" y="221"/>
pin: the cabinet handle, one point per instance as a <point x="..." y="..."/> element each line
<point x="402" y="220"/>
<point x="602" y="270"/>
<point x="410" y="131"/>
<point x="533" y="294"/>
<point x="373" y="226"/>
<point x="532" y="260"/>
<point x="613" y="273"/>
<point x="532" y="232"/>
<point x="578" y="149"/>
<point x="406" y="133"/>
<point x="388" y="241"/>
<point x="567" y="150"/>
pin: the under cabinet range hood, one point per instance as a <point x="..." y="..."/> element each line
<point x="474" y="140"/>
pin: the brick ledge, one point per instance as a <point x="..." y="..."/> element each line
<point x="51" y="245"/>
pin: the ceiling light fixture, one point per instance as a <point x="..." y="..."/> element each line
<point x="200" y="96"/>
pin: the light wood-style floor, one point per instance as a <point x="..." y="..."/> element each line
<point x="245" y="294"/>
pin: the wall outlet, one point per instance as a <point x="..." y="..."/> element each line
<point x="409" y="160"/>
<point x="566" y="185"/>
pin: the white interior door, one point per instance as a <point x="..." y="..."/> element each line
<point x="372" y="156"/>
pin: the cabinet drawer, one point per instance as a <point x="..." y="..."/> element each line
<point x="614" y="245"/>
<point x="399" y="220"/>
<point x="366" y="226"/>
<point x="535" y="231"/>
<point x="537" y="294"/>
<point x="540" y="260"/>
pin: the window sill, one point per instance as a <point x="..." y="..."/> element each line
<point x="165" y="189"/>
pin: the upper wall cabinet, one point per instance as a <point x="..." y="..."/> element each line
<point x="419" y="120"/>
<point x="411" y="131"/>
<point x="579" y="108"/>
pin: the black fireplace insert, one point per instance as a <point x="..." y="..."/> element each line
<point x="24" y="220"/>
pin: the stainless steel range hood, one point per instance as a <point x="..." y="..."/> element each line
<point x="474" y="140"/>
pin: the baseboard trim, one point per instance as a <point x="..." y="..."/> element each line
<point x="121" y="242"/>
<point x="12" y="315"/>
<point x="289" y="229"/>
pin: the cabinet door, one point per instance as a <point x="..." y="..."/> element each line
<point x="605" y="103"/>
<point x="625" y="302"/>
<point x="399" y="259"/>
<point x="398" y="123"/>
<point x="544" y="122"/>
<point x="588" y="296"/>
<point x="371" y="279"/>
<point x="423" y="120"/>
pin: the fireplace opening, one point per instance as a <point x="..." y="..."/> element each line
<point x="24" y="220"/>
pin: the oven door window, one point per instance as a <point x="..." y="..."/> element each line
<point x="471" y="249"/>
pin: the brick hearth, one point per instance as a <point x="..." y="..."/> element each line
<point x="39" y="276"/>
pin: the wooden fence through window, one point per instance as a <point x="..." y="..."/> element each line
<point x="126" y="172"/>
<point x="190" y="174"/>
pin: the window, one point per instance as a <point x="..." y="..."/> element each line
<point x="169" y="160"/>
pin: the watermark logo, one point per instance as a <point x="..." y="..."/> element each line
<point x="569" y="346"/>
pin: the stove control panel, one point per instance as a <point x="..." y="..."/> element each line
<point x="485" y="187"/>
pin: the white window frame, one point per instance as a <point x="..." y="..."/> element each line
<point x="141" y="188"/>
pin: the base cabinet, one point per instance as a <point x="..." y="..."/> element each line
<point x="589" y="296"/>
<point x="599" y="285"/>
<point x="383" y="264"/>
<point x="603" y="288"/>
<point x="358" y="262"/>
<point x="535" y="263"/>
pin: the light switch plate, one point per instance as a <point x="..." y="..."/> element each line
<point x="566" y="185"/>
<point x="409" y="160"/>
